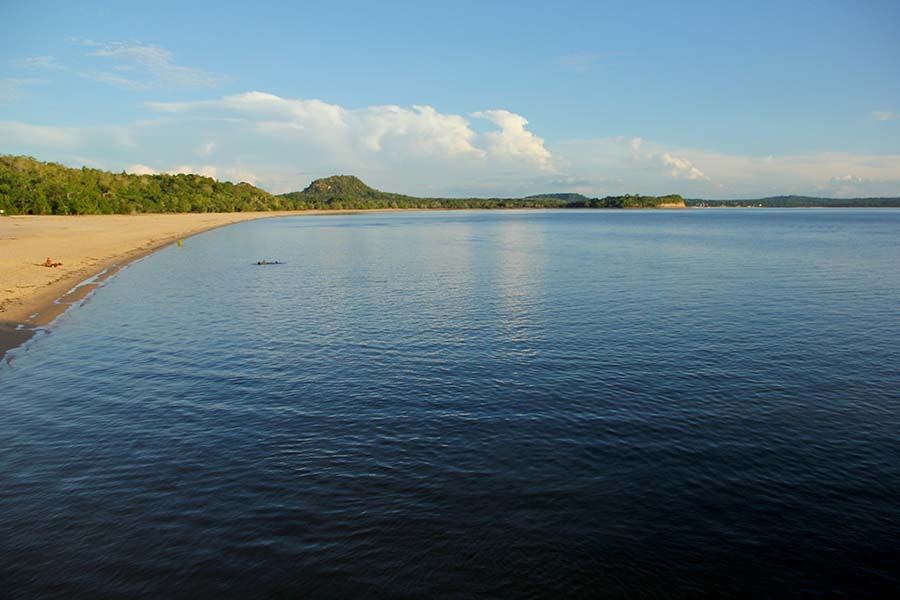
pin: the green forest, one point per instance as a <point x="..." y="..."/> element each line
<point x="32" y="187"/>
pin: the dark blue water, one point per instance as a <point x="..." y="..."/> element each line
<point x="469" y="404"/>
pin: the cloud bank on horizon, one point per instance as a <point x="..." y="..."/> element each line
<point x="281" y="142"/>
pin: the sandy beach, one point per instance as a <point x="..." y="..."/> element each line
<point x="32" y="295"/>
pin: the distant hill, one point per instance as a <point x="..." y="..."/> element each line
<point x="341" y="185"/>
<point x="346" y="192"/>
<point x="798" y="202"/>
<point x="343" y="192"/>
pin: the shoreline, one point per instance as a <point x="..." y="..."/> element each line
<point x="38" y="297"/>
<point x="32" y="302"/>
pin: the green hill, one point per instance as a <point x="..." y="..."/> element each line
<point x="341" y="185"/>
<point x="346" y="192"/>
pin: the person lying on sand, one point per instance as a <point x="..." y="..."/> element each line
<point x="50" y="263"/>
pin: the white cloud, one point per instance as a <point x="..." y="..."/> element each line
<point x="847" y="179"/>
<point x="390" y="131"/>
<point x="682" y="167"/>
<point x="152" y="64"/>
<point x="420" y="129"/>
<point x="640" y="165"/>
<point x="18" y="137"/>
<point x="884" y="115"/>
<point x="14" y="134"/>
<point x="128" y="65"/>
<point x="113" y="79"/>
<point x="636" y="144"/>
<point x="205" y="170"/>
<point x="513" y="140"/>
<point x="49" y="63"/>
<point x="282" y="143"/>
<point x="235" y="174"/>
<point x="676" y="166"/>
<point x="139" y="169"/>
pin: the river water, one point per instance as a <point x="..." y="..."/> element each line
<point x="515" y="404"/>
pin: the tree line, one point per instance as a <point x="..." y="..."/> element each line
<point x="32" y="187"/>
<point x="797" y="202"/>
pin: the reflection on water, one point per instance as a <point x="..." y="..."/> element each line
<point x="519" y="282"/>
<point x="469" y="404"/>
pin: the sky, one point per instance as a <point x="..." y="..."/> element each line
<point x="705" y="99"/>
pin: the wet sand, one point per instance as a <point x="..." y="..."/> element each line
<point x="32" y="295"/>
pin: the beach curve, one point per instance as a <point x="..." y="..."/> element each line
<point x="91" y="248"/>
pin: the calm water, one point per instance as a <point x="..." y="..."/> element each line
<point x="469" y="404"/>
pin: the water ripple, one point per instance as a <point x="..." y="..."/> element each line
<point x="468" y="404"/>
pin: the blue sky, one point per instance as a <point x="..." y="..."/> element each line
<point x="706" y="99"/>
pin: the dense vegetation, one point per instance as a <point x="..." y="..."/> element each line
<point x="630" y="201"/>
<point x="797" y="202"/>
<point x="29" y="186"/>
<point x="346" y="191"/>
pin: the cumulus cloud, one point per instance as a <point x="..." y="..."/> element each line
<point x="235" y="174"/>
<point x="682" y="167"/>
<point x="139" y="169"/>
<point x="884" y="115"/>
<point x="635" y="144"/>
<point x="282" y="143"/>
<point x="389" y="130"/>
<point x="513" y="140"/>
<point x="675" y="166"/>
<point x="423" y="128"/>
<point x="238" y="174"/>
<point x="205" y="170"/>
